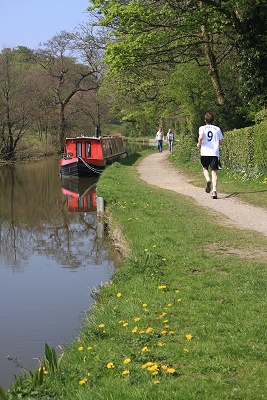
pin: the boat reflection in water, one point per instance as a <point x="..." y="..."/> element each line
<point x="80" y="193"/>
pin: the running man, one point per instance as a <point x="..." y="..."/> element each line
<point x="209" y="141"/>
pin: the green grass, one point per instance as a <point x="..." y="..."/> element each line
<point x="184" y="320"/>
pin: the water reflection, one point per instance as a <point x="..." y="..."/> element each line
<point x="80" y="193"/>
<point x="42" y="243"/>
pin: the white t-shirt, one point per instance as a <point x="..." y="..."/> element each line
<point x="211" y="136"/>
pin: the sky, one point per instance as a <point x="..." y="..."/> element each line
<point x="31" y="22"/>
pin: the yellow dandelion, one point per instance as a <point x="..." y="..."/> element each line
<point x="165" y="321"/>
<point x="145" y="348"/>
<point x="127" y="361"/>
<point x="137" y="219"/>
<point x="135" y="329"/>
<point x="188" y="336"/>
<point x="101" y="325"/>
<point x="171" y="332"/>
<point x="154" y="245"/>
<point x="125" y="324"/>
<point x="179" y="300"/>
<point x="89" y="348"/>
<point x="186" y="350"/>
<point x="169" y="305"/>
<point x="149" y="330"/>
<point x="163" y="259"/>
<point x="160" y="344"/>
<point x="129" y="219"/>
<point x="171" y="370"/>
<point x="162" y="287"/>
<point x="80" y="348"/>
<point x="164" y="367"/>
<point x="141" y="332"/>
<point x="110" y="365"/>
<point x="137" y="319"/>
<point x="119" y="294"/>
<point x="163" y="332"/>
<point x="83" y="381"/>
<point x="146" y="250"/>
<point x="144" y="305"/>
<point x="156" y="382"/>
<point x="126" y="372"/>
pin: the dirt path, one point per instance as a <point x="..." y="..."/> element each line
<point x="157" y="170"/>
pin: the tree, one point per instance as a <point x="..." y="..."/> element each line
<point x="72" y="62"/>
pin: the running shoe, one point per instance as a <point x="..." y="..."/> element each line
<point x="214" y="195"/>
<point x="207" y="188"/>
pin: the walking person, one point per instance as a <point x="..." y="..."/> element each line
<point x="170" y="139"/>
<point x="209" y="141"/>
<point x="159" y="138"/>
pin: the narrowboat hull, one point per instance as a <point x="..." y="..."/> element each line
<point x="89" y="156"/>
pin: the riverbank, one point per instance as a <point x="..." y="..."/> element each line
<point x="182" y="318"/>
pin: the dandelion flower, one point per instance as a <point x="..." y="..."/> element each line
<point x="80" y="348"/>
<point x="125" y="324"/>
<point x="169" y="305"/>
<point x="119" y="294"/>
<point x="156" y="382"/>
<point x="154" y="245"/>
<point x="126" y="372"/>
<point x="179" y="300"/>
<point x="160" y="344"/>
<point x="171" y="370"/>
<point x="83" y="381"/>
<point x="110" y="365"/>
<point x="135" y="329"/>
<point x="188" y="336"/>
<point x="149" y="330"/>
<point x="89" y="348"/>
<point x="101" y="325"/>
<point x="144" y="305"/>
<point x="163" y="259"/>
<point x="127" y="361"/>
<point x="137" y="319"/>
<point x="185" y="350"/>
<point x="129" y="219"/>
<point x="164" y="367"/>
<point x="162" y="287"/>
<point x="146" y="250"/>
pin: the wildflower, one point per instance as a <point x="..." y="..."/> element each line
<point x="169" y="305"/>
<point x="126" y="372"/>
<point x="160" y="344"/>
<point x="171" y="332"/>
<point x="163" y="259"/>
<point x="125" y="324"/>
<point x="101" y="325"/>
<point x="137" y="319"/>
<point x="156" y="382"/>
<point x="163" y="332"/>
<point x="89" y="348"/>
<point x="88" y="374"/>
<point x="188" y="336"/>
<point x="164" y="367"/>
<point x="83" y="381"/>
<point x="171" y="370"/>
<point x="146" y="250"/>
<point x="165" y="321"/>
<point x="119" y="294"/>
<point x="127" y="361"/>
<point x="179" y="300"/>
<point x="149" y="330"/>
<point x="186" y="350"/>
<point x="110" y="365"/>
<point x="137" y="219"/>
<point x="80" y="348"/>
<point x="135" y="329"/>
<point x="129" y="219"/>
<point x="154" y="245"/>
<point x="145" y="348"/>
<point x="144" y="305"/>
<point x="162" y="287"/>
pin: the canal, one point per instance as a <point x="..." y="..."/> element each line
<point x="53" y="254"/>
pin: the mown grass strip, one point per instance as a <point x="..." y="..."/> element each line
<point x="177" y="321"/>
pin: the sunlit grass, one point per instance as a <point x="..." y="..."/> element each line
<point x="178" y="321"/>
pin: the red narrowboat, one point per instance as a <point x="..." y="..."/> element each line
<point x="88" y="156"/>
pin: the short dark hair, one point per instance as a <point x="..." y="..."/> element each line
<point x="209" y="118"/>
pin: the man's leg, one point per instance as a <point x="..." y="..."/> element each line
<point x="214" y="183"/>
<point x="207" y="177"/>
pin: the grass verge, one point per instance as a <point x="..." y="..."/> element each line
<point x="181" y="319"/>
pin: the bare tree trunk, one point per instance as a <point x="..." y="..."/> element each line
<point x="212" y="65"/>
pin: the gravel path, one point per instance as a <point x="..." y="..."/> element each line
<point x="157" y="170"/>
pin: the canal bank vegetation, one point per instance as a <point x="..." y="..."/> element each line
<point x="182" y="317"/>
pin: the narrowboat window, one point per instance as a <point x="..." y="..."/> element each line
<point x="87" y="149"/>
<point x="79" y="149"/>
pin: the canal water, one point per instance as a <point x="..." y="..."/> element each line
<point x="53" y="254"/>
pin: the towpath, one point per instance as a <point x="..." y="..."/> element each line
<point x="156" y="170"/>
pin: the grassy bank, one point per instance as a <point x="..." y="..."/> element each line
<point x="182" y="318"/>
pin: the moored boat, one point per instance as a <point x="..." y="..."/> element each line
<point x="89" y="156"/>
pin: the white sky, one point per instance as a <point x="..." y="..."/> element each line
<point x="31" y="22"/>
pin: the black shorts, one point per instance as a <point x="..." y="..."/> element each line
<point x="210" y="161"/>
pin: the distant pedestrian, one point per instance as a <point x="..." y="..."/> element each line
<point x="170" y="139"/>
<point x="159" y="138"/>
<point x="209" y="141"/>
